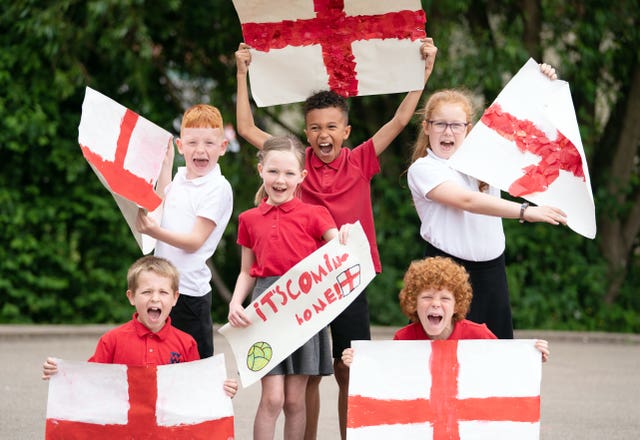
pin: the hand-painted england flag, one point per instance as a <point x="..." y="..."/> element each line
<point x="528" y="143"/>
<point x="126" y="152"/>
<point x="353" y="47"/>
<point x="444" y="390"/>
<point x="109" y="401"/>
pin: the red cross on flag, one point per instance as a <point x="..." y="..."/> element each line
<point x="349" y="280"/>
<point x="528" y="143"/>
<point x="353" y="47"/>
<point x="444" y="390"/>
<point x="126" y="152"/>
<point x="111" y="401"/>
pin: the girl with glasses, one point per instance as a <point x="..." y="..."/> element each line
<point x="462" y="217"/>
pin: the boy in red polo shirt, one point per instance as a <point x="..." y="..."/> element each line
<point x="149" y="338"/>
<point x="339" y="179"/>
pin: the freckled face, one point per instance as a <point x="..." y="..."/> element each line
<point x="445" y="143"/>
<point x="153" y="299"/>
<point x="435" y="309"/>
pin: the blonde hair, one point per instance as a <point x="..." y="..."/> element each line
<point x="439" y="273"/>
<point x="159" y="266"/>
<point x="279" y="143"/>
<point x="202" y="116"/>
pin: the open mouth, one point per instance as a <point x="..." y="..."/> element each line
<point x="201" y="162"/>
<point x="325" y="147"/>
<point x="154" y="313"/>
<point x="434" y="319"/>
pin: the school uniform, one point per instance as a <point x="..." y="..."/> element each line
<point x="463" y="329"/>
<point x="343" y="186"/>
<point x="280" y="237"/>
<point x="134" y="344"/>
<point x="210" y="197"/>
<point x="475" y="241"/>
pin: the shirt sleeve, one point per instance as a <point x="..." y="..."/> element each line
<point x="104" y="351"/>
<point x="425" y="174"/>
<point x="216" y="203"/>
<point x="364" y="157"/>
<point x="324" y="220"/>
<point x="244" y="238"/>
<point x="192" y="352"/>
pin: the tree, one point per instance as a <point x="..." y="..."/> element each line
<point x="65" y="249"/>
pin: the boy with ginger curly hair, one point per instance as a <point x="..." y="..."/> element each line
<point x="436" y="298"/>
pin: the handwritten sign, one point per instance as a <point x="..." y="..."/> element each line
<point x="480" y="389"/>
<point x="528" y="143"/>
<point x="302" y="302"/>
<point x="357" y="47"/>
<point x="126" y="152"/>
<point x="107" y="401"/>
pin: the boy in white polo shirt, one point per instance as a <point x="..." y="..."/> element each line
<point x="197" y="207"/>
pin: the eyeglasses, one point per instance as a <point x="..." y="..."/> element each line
<point x="456" y="127"/>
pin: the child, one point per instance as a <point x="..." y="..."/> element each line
<point x="152" y="288"/>
<point x="436" y="297"/>
<point x="276" y="235"/>
<point x="197" y="207"/>
<point x="339" y="178"/>
<point x="462" y="217"/>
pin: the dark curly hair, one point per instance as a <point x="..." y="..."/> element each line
<point x="326" y="99"/>
<point x="435" y="273"/>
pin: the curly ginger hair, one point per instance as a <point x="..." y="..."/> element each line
<point x="438" y="273"/>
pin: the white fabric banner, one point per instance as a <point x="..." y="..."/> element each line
<point x="471" y="389"/>
<point x="528" y="144"/>
<point x="304" y="46"/>
<point x="302" y="302"/>
<point x="126" y="152"/>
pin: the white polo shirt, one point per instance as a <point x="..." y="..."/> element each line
<point x="185" y="199"/>
<point x="472" y="237"/>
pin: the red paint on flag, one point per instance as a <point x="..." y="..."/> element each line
<point x="443" y="410"/>
<point x="335" y="32"/>
<point x="120" y="180"/>
<point x="349" y="280"/>
<point x="556" y="155"/>
<point x="142" y="424"/>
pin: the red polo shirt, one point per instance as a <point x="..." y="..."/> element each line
<point x="462" y="329"/>
<point x="134" y="344"/>
<point x="281" y="236"/>
<point x="344" y="187"/>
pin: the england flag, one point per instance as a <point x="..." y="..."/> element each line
<point x="528" y="143"/>
<point x="126" y="152"/>
<point x="353" y="47"/>
<point x="109" y="401"/>
<point x="444" y="390"/>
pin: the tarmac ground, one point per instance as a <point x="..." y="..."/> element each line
<point x="590" y="386"/>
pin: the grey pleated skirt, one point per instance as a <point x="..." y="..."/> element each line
<point x="313" y="358"/>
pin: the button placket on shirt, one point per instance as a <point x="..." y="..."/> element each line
<point x="152" y="347"/>
<point x="274" y="224"/>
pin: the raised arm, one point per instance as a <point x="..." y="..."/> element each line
<point x="166" y="172"/>
<point x="452" y="194"/>
<point x="388" y="132"/>
<point x="244" y="117"/>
